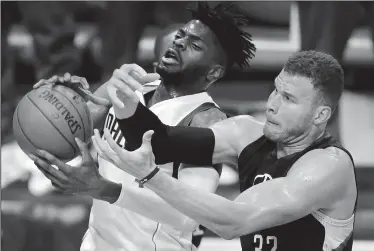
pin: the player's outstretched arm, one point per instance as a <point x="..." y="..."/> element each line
<point x="309" y="186"/>
<point x="221" y="143"/>
<point x="147" y="203"/>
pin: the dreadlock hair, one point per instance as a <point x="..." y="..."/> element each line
<point x="226" y="20"/>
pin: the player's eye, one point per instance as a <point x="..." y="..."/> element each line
<point x="196" y="46"/>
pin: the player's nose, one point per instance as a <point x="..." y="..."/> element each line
<point x="180" y="43"/>
<point x="273" y="103"/>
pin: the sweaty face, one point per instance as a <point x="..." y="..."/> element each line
<point x="191" y="53"/>
<point x="290" y="108"/>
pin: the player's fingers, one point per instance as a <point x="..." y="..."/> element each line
<point x="127" y="80"/>
<point x="122" y="95"/>
<point x="55" y="182"/>
<point x="147" y="138"/>
<point x="85" y="82"/>
<point x="88" y="96"/>
<point x="57" y="185"/>
<point x="150" y="77"/>
<point x="82" y="92"/>
<point x="83" y="148"/>
<point x="127" y="68"/>
<point x="60" y="79"/>
<point x="49" y="81"/>
<point x="53" y="160"/>
<point x="48" y="170"/>
<point x="81" y="80"/>
<point x="146" y="147"/>
<point x="126" y="92"/>
<point x="96" y="140"/>
<point x="53" y="79"/>
<point x="113" y="145"/>
<point x="40" y="83"/>
<point x="112" y="94"/>
<point x="118" y="84"/>
<point x="103" y="150"/>
<point x="97" y="100"/>
<point x="67" y="77"/>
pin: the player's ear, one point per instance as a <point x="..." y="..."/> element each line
<point x="322" y="115"/>
<point x="216" y="72"/>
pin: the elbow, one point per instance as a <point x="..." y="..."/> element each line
<point x="225" y="232"/>
<point x="189" y="225"/>
<point x="228" y="235"/>
<point x="230" y="232"/>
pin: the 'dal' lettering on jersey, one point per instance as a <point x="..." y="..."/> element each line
<point x="112" y="125"/>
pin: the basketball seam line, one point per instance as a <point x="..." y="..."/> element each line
<point x="84" y="131"/>
<point x="52" y="124"/>
<point x="23" y="132"/>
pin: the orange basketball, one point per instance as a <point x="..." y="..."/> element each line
<point x="49" y="118"/>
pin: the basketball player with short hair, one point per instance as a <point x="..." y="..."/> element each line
<point x="298" y="187"/>
<point x="137" y="219"/>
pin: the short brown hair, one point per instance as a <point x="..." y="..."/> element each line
<point x="325" y="72"/>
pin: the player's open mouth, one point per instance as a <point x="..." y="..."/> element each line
<point x="170" y="57"/>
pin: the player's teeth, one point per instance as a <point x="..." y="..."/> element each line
<point x="169" y="60"/>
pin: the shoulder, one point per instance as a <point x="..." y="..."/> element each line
<point x="328" y="161"/>
<point x="243" y="123"/>
<point x="237" y="132"/>
<point x="324" y="177"/>
<point x="331" y="156"/>
<point x="208" y="117"/>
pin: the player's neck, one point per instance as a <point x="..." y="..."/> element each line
<point x="298" y="144"/>
<point x="163" y="92"/>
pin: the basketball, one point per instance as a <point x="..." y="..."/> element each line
<point x="49" y="118"/>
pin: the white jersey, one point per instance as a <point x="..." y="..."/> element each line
<point x="114" y="228"/>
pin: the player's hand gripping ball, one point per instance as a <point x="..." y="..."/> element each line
<point x="52" y="115"/>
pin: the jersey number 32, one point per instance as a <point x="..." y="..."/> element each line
<point x="270" y="240"/>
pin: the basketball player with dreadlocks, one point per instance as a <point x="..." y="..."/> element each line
<point x="137" y="219"/>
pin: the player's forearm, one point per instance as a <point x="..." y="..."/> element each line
<point x="220" y="215"/>
<point x="188" y="145"/>
<point x="146" y="203"/>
